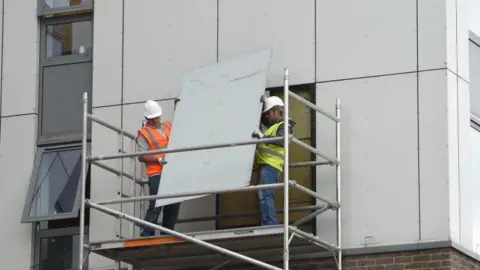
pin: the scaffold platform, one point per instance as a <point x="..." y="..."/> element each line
<point x="169" y="252"/>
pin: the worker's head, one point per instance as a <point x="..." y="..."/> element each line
<point x="273" y="109"/>
<point x="152" y="112"/>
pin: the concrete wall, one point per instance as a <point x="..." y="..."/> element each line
<point x="18" y="86"/>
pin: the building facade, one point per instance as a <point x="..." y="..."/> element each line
<point x="407" y="73"/>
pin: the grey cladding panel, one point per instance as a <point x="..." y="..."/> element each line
<point x="475" y="79"/>
<point x="219" y="103"/>
<point x="63" y="88"/>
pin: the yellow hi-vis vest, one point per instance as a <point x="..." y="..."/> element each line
<point x="270" y="154"/>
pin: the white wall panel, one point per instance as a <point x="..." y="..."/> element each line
<point x="16" y="149"/>
<point x="20" y="57"/>
<point x="462" y="39"/>
<point x="433" y="155"/>
<point x="104" y="185"/>
<point x="475" y="174"/>
<point x="379" y="160"/>
<point x="287" y="25"/>
<point x="474" y="16"/>
<point x="364" y="38"/>
<point x="162" y="40"/>
<point x="454" y="192"/>
<point x="466" y="182"/>
<point x="202" y="207"/>
<point x="451" y="28"/>
<point x="107" y="67"/>
<point x="432" y="43"/>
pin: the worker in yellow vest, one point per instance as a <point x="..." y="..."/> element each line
<point x="270" y="156"/>
<point x="154" y="136"/>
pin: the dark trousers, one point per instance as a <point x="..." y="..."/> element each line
<point x="170" y="212"/>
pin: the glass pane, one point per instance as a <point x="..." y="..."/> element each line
<point x="69" y="39"/>
<point x="63" y="88"/>
<point x="59" y="253"/>
<point x="64" y="3"/>
<point x="56" y="184"/>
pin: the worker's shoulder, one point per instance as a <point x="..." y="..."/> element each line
<point x="291" y="123"/>
<point x="168" y="123"/>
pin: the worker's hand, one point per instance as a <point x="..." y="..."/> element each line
<point x="162" y="161"/>
<point x="257" y="134"/>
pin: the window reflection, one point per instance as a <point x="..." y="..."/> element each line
<point x="68" y="39"/>
<point x="64" y="3"/>
<point x="59" y="253"/>
<point x="56" y="183"/>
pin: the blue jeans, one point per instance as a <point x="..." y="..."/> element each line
<point x="266" y="197"/>
<point x="170" y="212"/>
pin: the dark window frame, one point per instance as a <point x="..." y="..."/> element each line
<point x="51" y="233"/>
<point x="42" y="11"/>
<point x="26" y="218"/>
<point x="57" y="61"/>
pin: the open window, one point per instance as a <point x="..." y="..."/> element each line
<point x="241" y="209"/>
<point x="54" y="186"/>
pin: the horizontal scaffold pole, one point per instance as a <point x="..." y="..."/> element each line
<point x="313" y="106"/>
<point x="188" y="194"/>
<point x="335" y="205"/>
<point x="186" y="149"/>
<point x="312" y="238"/>
<point x="315" y="151"/>
<point x="112" y="127"/>
<point x="181" y="236"/>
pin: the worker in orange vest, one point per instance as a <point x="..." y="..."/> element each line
<point x="153" y="136"/>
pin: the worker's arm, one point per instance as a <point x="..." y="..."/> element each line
<point x="281" y="133"/>
<point x="142" y="146"/>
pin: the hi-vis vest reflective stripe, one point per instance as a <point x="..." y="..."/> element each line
<point x="270" y="154"/>
<point x="157" y="139"/>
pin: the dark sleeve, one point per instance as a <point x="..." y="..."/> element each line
<point x="280" y="133"/>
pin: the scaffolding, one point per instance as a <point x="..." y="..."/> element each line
<point x="217" y="241"/>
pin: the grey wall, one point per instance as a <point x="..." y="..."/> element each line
<point x="401" y="70"/>
<point x="18" y="29"/>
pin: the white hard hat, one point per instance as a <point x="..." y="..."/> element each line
<point x="272" y="102"/>
<point x="152" y="109"/>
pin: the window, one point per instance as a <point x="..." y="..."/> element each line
<point x="47" y="7"/>
<point x="54" y="187"/>
<point x="247" y="202"/>
<point x="73" y="38"/>
<point x="475" y="75"/>
<point x="66" y="73"/>
<point x="57" y="249"/>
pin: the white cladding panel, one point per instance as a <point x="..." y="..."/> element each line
<point x="287" y="25"/>
<point x="17" y="148"/>
<point x="107" y="31"/>
<point x="453" y="166"/>
<point x="433" y="138"/>
<point x="379" y="160"/>
<point x="465" y="180"/>
<point x="432" y="45"/>
<point x="163" y="39"/>
<point x="462" y="39"/>
<point x="365" y="38"/>
<point x="224" y="97"/>
<point x="20" y="58"/>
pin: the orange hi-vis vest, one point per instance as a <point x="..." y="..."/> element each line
<point x="156" y="140"/>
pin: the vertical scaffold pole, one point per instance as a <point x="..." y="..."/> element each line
<point x="338" y="178"/>
<point x="83" y="179"/>
<point x="286" y="141"/>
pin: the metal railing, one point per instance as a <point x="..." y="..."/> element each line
<point x="288" y="230"/>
